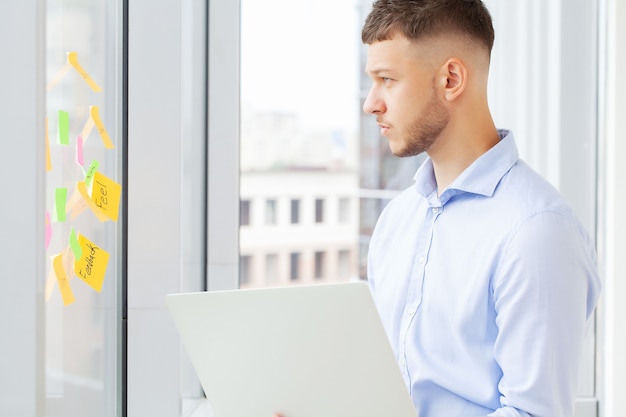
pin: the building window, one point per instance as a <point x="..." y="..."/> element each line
<point x="271" y="268"/>
<point x="244" y="269"/>
<point x="344" y="210"/>
<point x="295" y="211"/>
<point x="270" y="211"/>
<point x="320" y="260"/>
<point x="343" y="267"/>
<point x="294" y="267"/>
<point x="244" y="212"/>
<point x="319" y="210"/>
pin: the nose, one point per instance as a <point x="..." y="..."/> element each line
<point x="373" y="103"/>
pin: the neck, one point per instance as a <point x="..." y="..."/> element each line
<point x="460" y="145"/>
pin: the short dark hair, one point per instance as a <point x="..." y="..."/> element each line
<point x="416" y="19"/>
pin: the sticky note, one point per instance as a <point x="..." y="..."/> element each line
<point x="75" y="205"/>
<point x="106" y="195"/>
<point x="60" y="198"/>
<point x="72" y="58"/>
<point x="59" y="75"/>
<point x="62" y="280"/>
<point x="87" y="128"/>
<point x="91" y="267"/>
<point x="80" y="159"/>
<point x="48" y="160"/>
<point x="82" y="189"/>
<point x="48" y="230"/>
<point x="64" y="128"/>
<point x="75" y="245"/>
<point x="95" y="116"/>
<point x="91" y="171"/>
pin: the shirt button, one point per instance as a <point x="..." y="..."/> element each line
<point x="435" y="210"/>
<point x="422" y="260"/>
<point x="411" y="311"/>
<point x="403" y="363"/>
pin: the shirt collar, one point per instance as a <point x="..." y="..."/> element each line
<point x="481" y="177"/>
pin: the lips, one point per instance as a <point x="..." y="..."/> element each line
<point x="384" y="128"/>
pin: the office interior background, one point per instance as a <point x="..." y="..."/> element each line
<point x="229" y="140"/>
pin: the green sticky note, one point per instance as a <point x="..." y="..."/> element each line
<point x="64" y="128"/>
<point x="60" y="198"/>
<point x="75" y="245"/>
<point x="91" y="172"/>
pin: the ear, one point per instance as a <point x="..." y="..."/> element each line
<point x="454" y="76"/>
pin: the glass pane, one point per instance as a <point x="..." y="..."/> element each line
<point x="83" y="287"/>
<point x="309" y="155"/>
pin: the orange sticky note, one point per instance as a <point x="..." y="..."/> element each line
<point x="95" y="116"/>
<point x="72" y="58"/>
<point x="62" y="280"/>
<point x="82" y="189"/>
<point x="106" y="194"/>
<point x="92" y="266"/>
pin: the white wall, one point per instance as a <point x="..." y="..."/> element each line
<point x="22" y="115"/>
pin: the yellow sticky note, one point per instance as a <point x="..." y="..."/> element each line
<point x="72" y="58"/>
<point x="95" y="116"/>
<point x="87" y="128"/>
<point x="92" y="266"/>
<point x="82" y="189"/>
<point x="48" y="160"/>
<point x="62" y="280"/>
<point x="106" y="194"/>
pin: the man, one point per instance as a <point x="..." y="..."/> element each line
<point x="483" y="277"/>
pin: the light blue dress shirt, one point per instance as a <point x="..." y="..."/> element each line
<point x="485" y="291"/>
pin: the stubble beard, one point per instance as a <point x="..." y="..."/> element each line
<point x="425" y="129"/>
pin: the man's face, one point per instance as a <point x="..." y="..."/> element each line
<point x="403" y="97"/>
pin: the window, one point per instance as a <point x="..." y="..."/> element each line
<point x="294" y="266"/>
<point x="295" y="211"/>
<point x="244" y="212"/>
<point x="343" y="264"/>
<point x="344" y="210"/>
<point x="271" y="268"/>
<point x="320" y="259"/>
<point x="319" y="210"/>
<point x="270" y="211"/>
<point x="244" y="269"/>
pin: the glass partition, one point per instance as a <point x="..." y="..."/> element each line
<point x="84" y="216"/>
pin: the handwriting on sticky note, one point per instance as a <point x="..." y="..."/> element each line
<point x="106" y="194"/>
<point x="64" y="128"/>
<point x="91" y="171"/>
<point x="62" y="280"/>
<point x="91" y="267"/>
<point x="82" y="189"/>
<point x="72" y="58"/>
<point x="60" y="198"/>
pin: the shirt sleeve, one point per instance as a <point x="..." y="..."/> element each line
<point x="544" y="292"/>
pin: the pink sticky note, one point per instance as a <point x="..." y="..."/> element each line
<point x="48" y="230"/>
<point x="80" y="160"/>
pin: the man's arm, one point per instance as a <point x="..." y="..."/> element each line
<point x="544" y="293"/>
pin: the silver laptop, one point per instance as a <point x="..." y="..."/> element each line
<point x="302" y="351"/>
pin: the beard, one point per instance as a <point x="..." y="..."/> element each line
<point x="424" y="130"/>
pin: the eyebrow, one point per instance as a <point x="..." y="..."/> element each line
<point x="377" y="71"/>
